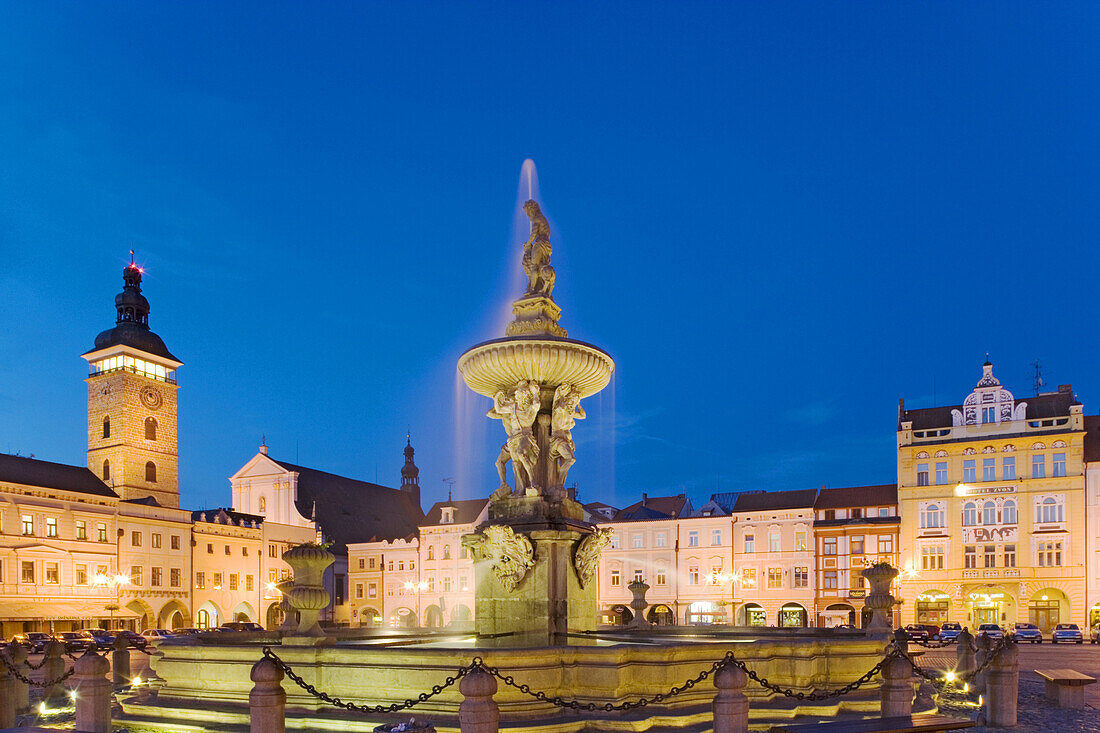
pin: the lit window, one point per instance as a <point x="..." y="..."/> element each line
<point x="775" y="578"/>
<point x="135" y="575"/>
<point x="156" y="577"/>
<point x="81" y="574"/>
<point x="101" y="532"/>
<point x="662" y="579"/>
<point x="358" y="590"/>
<point x="233" y="581"/>
<point x="155" y="539"/>
<point x="28" y="524"/>
<point x="81" y="529"/>
<point x="637" y="575"/>
<point x="200" y="580"/>
<point x="693" y="575"/>
<point x="51" y="526"/>
<point x="53" y="575"/>
<point x="135" y="539"/>
<point x="748" y="577"/>
<point x="800" y="540"/>
<point x="615" y="579"/>
<point x="26" y="572"/>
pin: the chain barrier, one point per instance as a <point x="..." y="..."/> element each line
<point x="143" y="650"/>
<point x="395" y="707"/>
<point x="932" y="644"/>
<point x="28" y="681"/>
<point x="35" y="666"/>
<point x="941" y="679"/>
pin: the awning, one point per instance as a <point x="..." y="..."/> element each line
<point x="60" y="611"/>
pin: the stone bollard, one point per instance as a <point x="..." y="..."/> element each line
<point x="478" y="712"/>
<point x="1002" y="688"/>
<point x="120" y="662"/>
<point x="52" y="668"/>
<point x="896" y="693"/>
<point x="93" y="693"/>
<point x="984" y="644"/>
<point x="7" y="696"/>
<point x="731" y="705"/>
<point x="17" y="655"/>
<point x="964" y="653"/>
<point x="267" y="700"/>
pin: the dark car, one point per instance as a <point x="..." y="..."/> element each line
<point x="243" y="626"/>
<point x="1027" y="632"/>
<point x="133" y="639"/>
<point x="950" y="631"/>
<point x="916" y="632"/>
<point x="75" y="641"/>
<point x="1067" y="633"/>
<point x="36" y="641"/>
<point x="933" y="631"/>
<point x="102" y="638"/>
<point x="188" y="631"/>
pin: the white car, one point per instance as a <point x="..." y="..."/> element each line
<point x="157" y="634"/>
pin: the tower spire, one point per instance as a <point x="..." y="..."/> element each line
<point x="410" y="474"/>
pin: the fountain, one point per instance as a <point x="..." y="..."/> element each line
<point x="536" y="565"/>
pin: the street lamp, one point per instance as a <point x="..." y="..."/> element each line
<point x="116" y="582"/>
<point x="419" y="588"/>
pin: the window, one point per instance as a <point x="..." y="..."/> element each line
<point x="28" y="524"/>
<point x="218" y="581"/>
<point x="715" y="537"/>
<point x="431" y="585"/>
<point x="636" y="541"/>
<point x="857" y="513"/>
<point x="931" y="557"/>
<point x="463" y="552"/>
<point x="1050" y="554"/>
<point x="53" y="575"/>
<point x="174" y="577"/>
<point x="773" y="542"/>
<point x="990" y="553"/>
<point x="150" y="428"/>
<point x="661" y="539"/>
<point x="370" y="563"/>
<point x="390" y="564"/>
<point x="81" y="529"/>
<point x="989" y="414"/>
<point x="693" y="538"/>
<point x="989" y="513"/>
<point x="362" y="564"/>
<point x="775" y="578"/>
<point x="748" y="577"/>
<point x="1058" y="468"/>
<point x="800" y="540"/>
<point x="234" y="581"/>
<point x="614" y="542"/>
<point x="855" y="544"/>
<point x="400" y="564"/>
<point x="431" y="552"/>
<point x="1010" y="556"/>
<point x="156" y="577"/>
<point x="135" y="539"/>
<point x="885" y="544"/>
<point x="446" y="583"/>
<point x="135" y="575"/>
<point x="829" y="580"/>
<point x="151" y="472"/>
<point x="1049" y="510"/>
<point x="922" y="474"/>
<point x="101" y="532"/>
<point x="446" y="552"/>
<point x="26" y="573"/>
<point x="51" y="526"/>
<point x="200" y="580"/>
<point x="228" y="551"/>
<point x="693" y="575"/>
<point x="750" y="543"/>
<point x="1008" y="468"/>
<point x="209" y="548"/>
<point x="661" y="577"/>
<point x="358" y="590"/>
<point x="202" y="619"/>
<point x="970" y="514"/>
<point x="933" y="516"/>
<point x="970" y="557"/>
<point x="263" y="505"/>
<point x="106" y="470"/>
<point x="801" y="577"/>
<point x="155" y="539"/>
<point x="989" y="469"/>
<point x="372" y="590"/>
<point x="830" y="514"/>
<point x="637" y="575"/>
<point x="107" y="426"/>
<point x="828" y="546"/>
<point x="463" y="583"/>
<point x="1008" y="512"/>
<point x="941" y="472"/>
<point x="615" y="579"/>
<point x="855" y="579"/>
<point x="1038" y="466"/>
<point x="969" y="470"/>
<point x="82" y="575"/>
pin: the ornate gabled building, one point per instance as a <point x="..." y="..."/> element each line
<point x="992" y="499"/>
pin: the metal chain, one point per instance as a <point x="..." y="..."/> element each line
<point x="931" y="644"/>
<point x="395" y="707"/>
<point x="27" y="680"/>
<point x="939" y="679"/>
<point x="36" y="666"/>
<point x="143" y="650"/>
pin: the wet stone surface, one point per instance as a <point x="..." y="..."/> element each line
<point x="1035" y="714"/>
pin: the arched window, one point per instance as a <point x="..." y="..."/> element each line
<point x="263" y="505"/>
<point x="970" y="514"/>
<point x="1050" y="510"/>
<point x="1008" y="512"/>
<point x="989" y="513"/>
<point x="107" y="426"/>
<point x="932" y="517"/>
<point x="446" y="552"/>
<point x="151" y="472"/>
<point x="150" y="428"/>
<point x="106" y="470"/>
<point x="202" y="619"/>
<point x="431" y="552"/>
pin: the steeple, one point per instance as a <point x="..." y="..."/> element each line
<point x="410" y="474"/>
<point x="132" y="320"/>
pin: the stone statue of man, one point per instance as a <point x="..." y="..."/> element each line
<point x="517" y="409"/>
<point x="566" y="411"/>
<point x="536" y="253"/>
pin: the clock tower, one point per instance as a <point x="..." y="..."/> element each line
<point x="132" y="442"/>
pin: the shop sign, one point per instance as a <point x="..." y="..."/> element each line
<point x="971" y="490"/>
<point x="1007" y="533"/>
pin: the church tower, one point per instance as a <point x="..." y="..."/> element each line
<point x="410" y="474"/>
<point x="132" y="442"/>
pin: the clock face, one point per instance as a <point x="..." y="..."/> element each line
<point x="105" y="389"/>
<point x="151" y="398"/>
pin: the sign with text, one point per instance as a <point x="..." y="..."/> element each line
<point x="990" y="534"/>
<point x="978" y="490"/>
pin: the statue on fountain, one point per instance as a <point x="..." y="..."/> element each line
<point x="536" y="313"/>
<point x="517" y="409"/>
<point x="566" y="411"/>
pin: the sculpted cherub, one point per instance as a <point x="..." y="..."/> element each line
<point x="536" y="253"/>
<point x="517" y="409"/>
<point x="566" y="411"/>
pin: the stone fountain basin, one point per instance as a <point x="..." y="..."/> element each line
<point x="501" y="363"/>
<point x="207" y="681"/>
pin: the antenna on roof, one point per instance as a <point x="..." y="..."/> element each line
<point x="450" y="484"/>
<point x="1037" y="382"/>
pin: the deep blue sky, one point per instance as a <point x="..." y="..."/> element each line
<point x="778" y="218"/>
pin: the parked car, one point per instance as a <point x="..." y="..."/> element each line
<point x="993" y="631"/>
<point x="75" y="641"/>
<point x="188" y="631"/>
<point x="916" y="632"/>
<point x="1094" y="635"/>
<point x="933" y="631"/>
<point x="135" y="640"/>
<point x="1027" y="632"/>
<point x="950" y="631"/>
<point x="157" y="634"/>
<point x="102" y="638"/>
<point x="1067" y="633"/>
<point x="243" y="626"/>
<point x="36" y="641"/>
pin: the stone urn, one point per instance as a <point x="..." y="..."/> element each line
<point x="308" y="596"/>
<point x="290" y="618"/>
<point x="638" y="604"/>
<point x="879" y="599"/>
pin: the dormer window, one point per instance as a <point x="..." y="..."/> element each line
<point x="448" y="516"/>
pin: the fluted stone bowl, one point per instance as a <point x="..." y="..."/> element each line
<point x="501" y="363"/>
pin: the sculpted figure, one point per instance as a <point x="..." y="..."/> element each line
<point x="587" y="559"/>
<point x="566" y="411"/>
<point x="536" y="253"/>
<point x="517" y="409"/>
